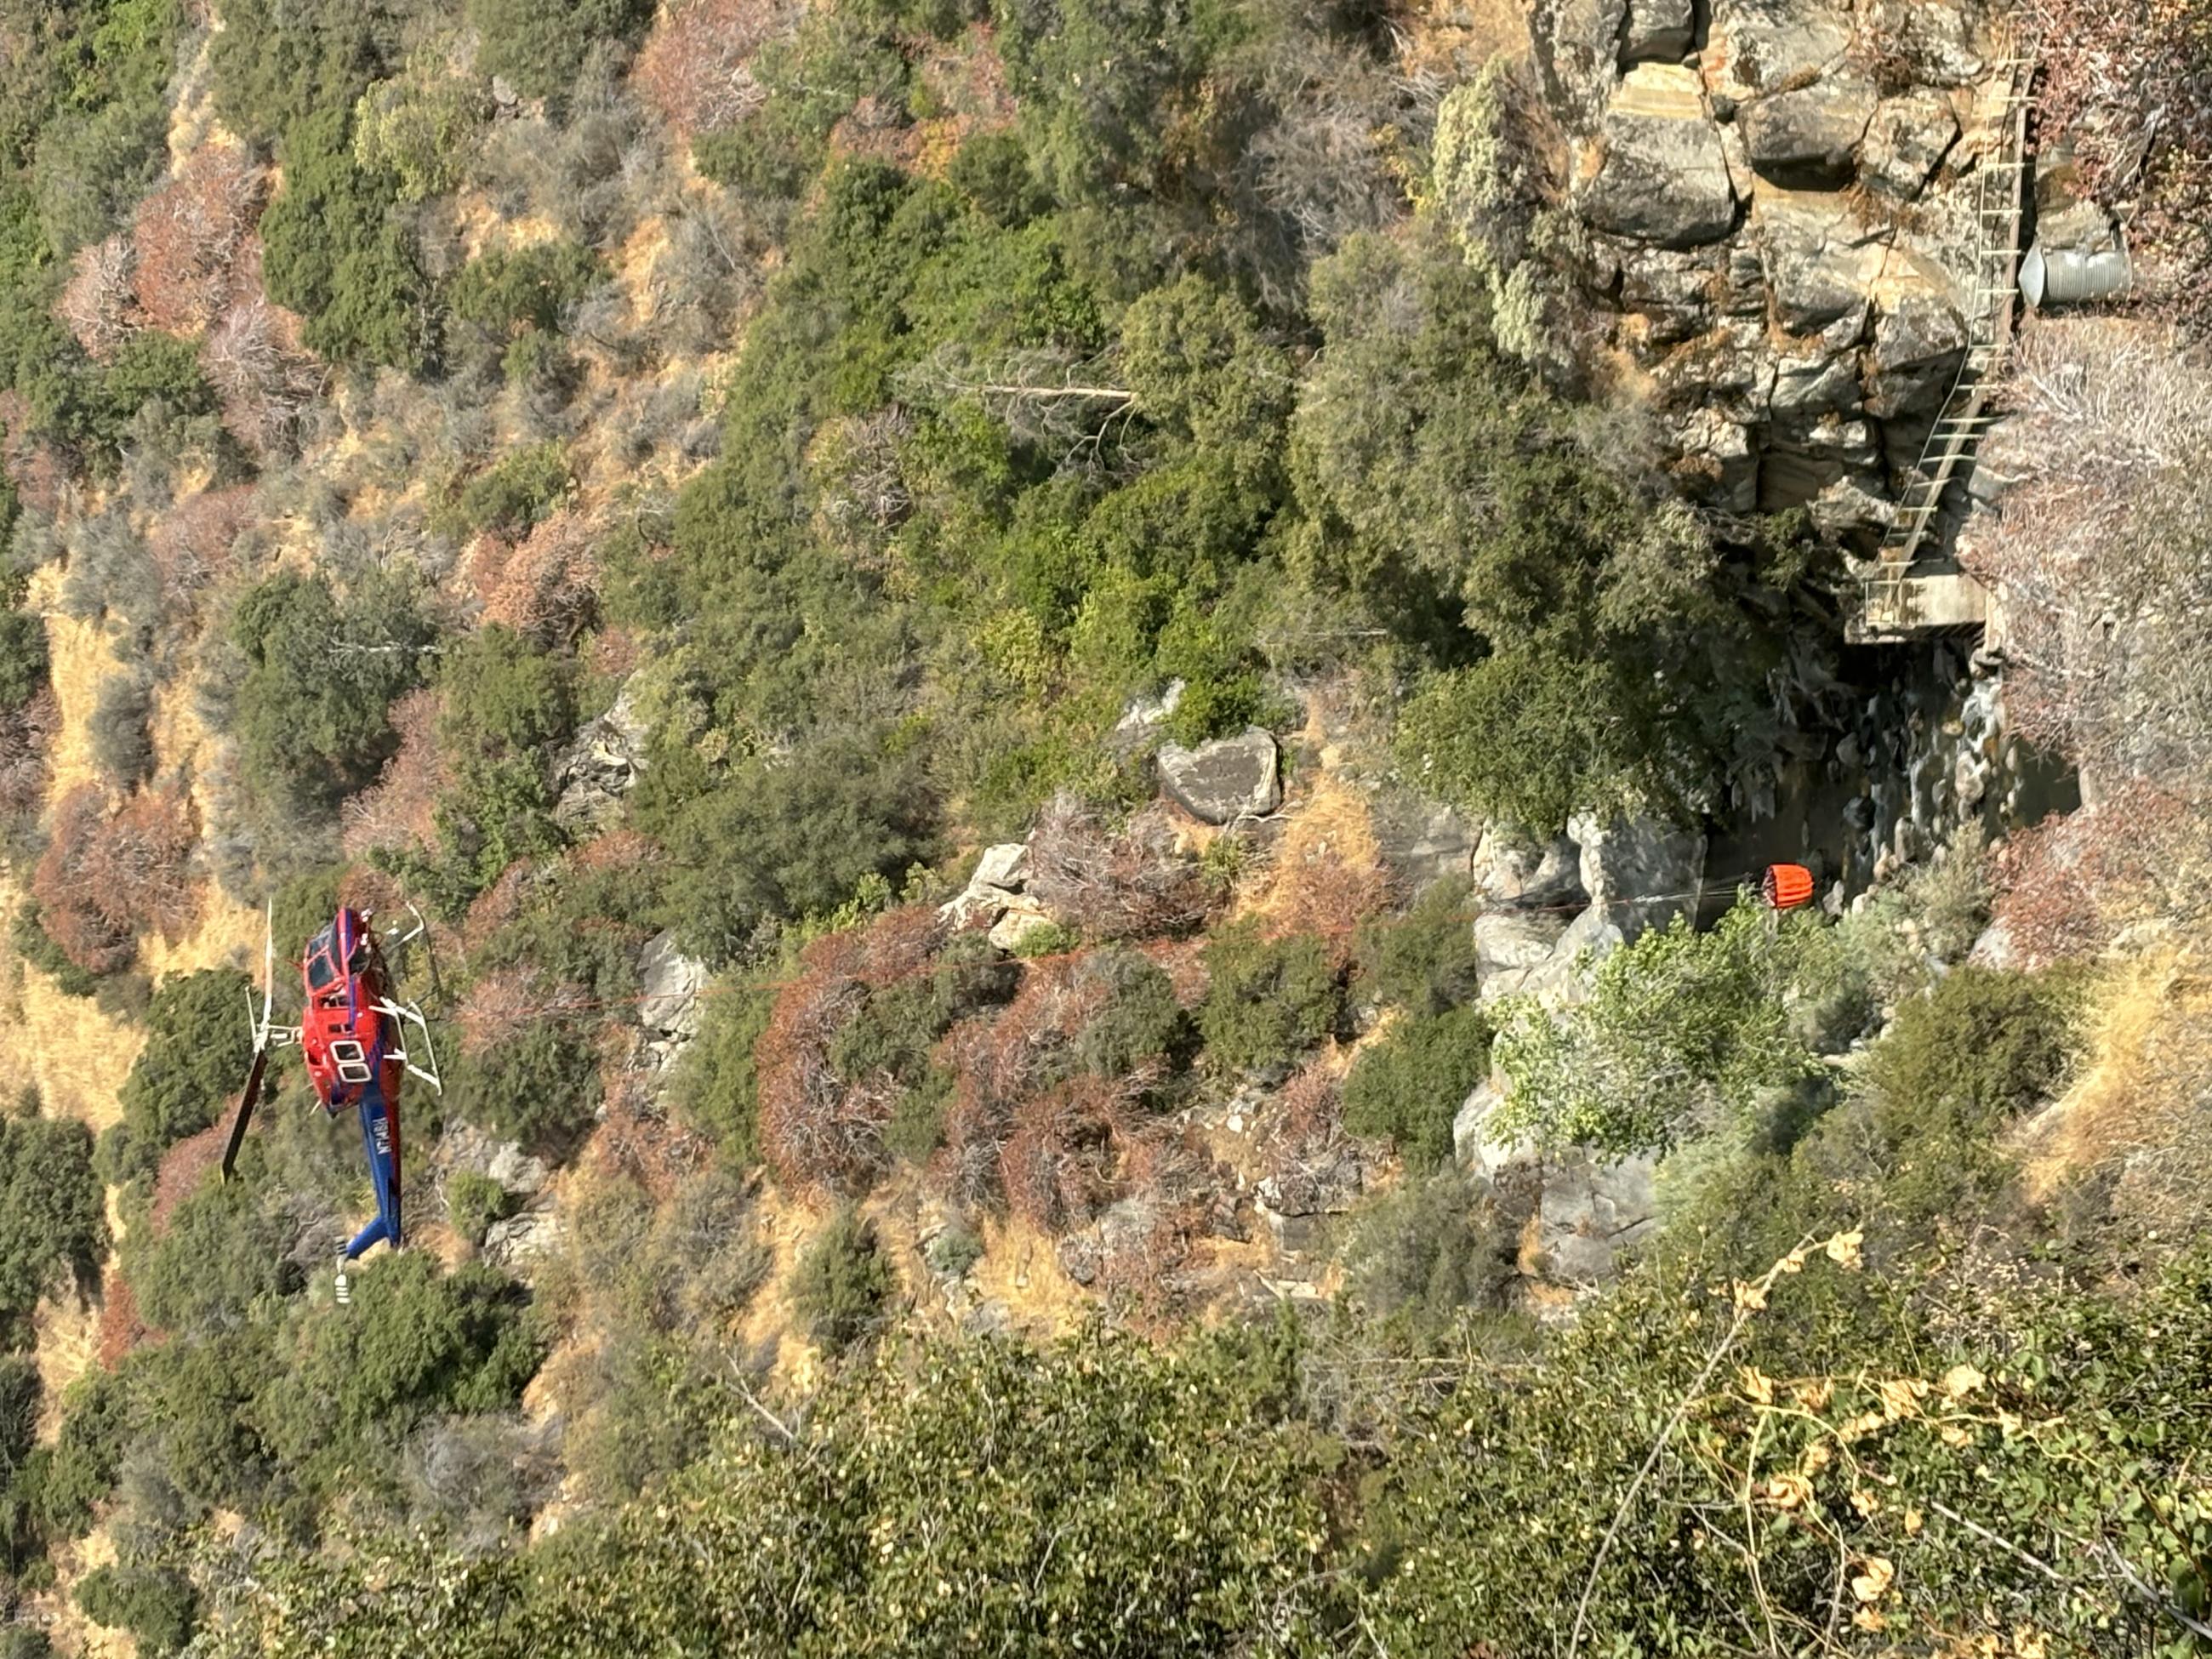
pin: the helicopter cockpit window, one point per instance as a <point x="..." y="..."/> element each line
<point x="321" y="974"/>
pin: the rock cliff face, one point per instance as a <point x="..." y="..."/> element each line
<point x="1757" y="216"/>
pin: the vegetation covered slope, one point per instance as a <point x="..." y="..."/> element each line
<point x="633" y="481"/>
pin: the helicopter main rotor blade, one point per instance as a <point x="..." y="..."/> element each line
<point x="246" y="1102"/>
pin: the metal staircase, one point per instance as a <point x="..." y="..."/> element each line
<point x="1901" y="598"/>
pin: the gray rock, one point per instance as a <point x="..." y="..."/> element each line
<point x="1511" y="869"/>
<point x="1590" y="1210"/>
<point x="1474" y="1142"/>
<point x="518" y="1172"/>
<point x="998" y="875"/>
<point x="1228" y="779"/>
<point x="520" y="1239"/>
<point x="1422" y="842"/>
<point x="1017" y="920"/>
<point x="1995" y="948"/>
<point x="1920" y="341"/>
<point x="1658" y="29"/>
<point x="1820" y="261"/>
<point x="1639" y="872"/>
<point x="1935" y="37"/>
<point x="1514" y="941"/>
<point x="1906" y="142"/>
<point x="1656" y="173"/>
<point x="600" y="766"/>
<point x="669" y="984"/>
<point x="1578" y="47"/>
<point x="1329" y="1185"/>
<point x="1807" y="387"/>
<point x="1807" y="134"/>
<point x="1717" y="465"/>
<point x="1145" y="713"/>
<point x="1755" y="46"/>
<point x="1676" y="291"/>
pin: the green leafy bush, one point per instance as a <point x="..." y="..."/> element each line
<point x="1423" y="961"/>
<point x="473" y="1202"/>
<point x="842" y="1281"/>
<point x="198" y="1044"/>
<point x="312" y="714"/>
<point x="538" y="47"/>
<point x="1428" y="1250"/>
<point x="518" y="491"/>
<point x="278" y="63"/>
<point x="53" y="1216"/>
<point x="1410" y="1085"/>
<point x="1140" y="1024"/>
<point x="714" y="1087"/>
<point x="22" y="658"/>
<point x="156" y="1605"/>
<point x="1269" y="1000"/>
<point x="420" y="126"/>
<point x="1683" y="1033"/>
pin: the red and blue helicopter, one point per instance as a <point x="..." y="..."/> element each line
<point x="354" y="1035"/>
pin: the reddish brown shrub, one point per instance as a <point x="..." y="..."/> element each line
<point x="817" y="1129"/>
<point x="266" y="379"/>
<point x="190" y="543"/>
<point x="399" y="810"/>
<point x="191" y="235"/>
<point x="184" y="1167"/>
<point x="25" y="736"/>
<point x="96" y="304"/>
<point x="1056" y="1168"/>
<point x="1109" y="883"/>
<point x="1001" y="1063"/>
<point x="548" y="585"/>
<point x="2070" y="886"/>
<point x="104" y="880"/>
<point x="40" y="471"/>
<point x="502" y="1005"/>
<point x="692" y="66"/>
<point x="120" y="1328"/>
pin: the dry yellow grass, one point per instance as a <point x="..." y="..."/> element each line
<point x="81" y="661"/>
<point x="2141" y="1106"/>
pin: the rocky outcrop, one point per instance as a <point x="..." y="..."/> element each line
<point x="1769" y="223"/>
<point x="593" y="774"/>
<point x="669" y="988"/>
<point x="1422" y="842"/>
<point x="1226" y="780"/>
<point x="994" y="898"/>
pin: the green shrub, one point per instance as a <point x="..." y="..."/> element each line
<point x="1682" y="1034"/>
<point x="421" y="126"/>
<point x="1423" y="961"/>
<point x="19" y="1394"/>
<point x="842" y="1281"/>
<point x="1411" y="1085"/>
<point x="505" y="291"/>
<point x="417" y="1341"/>
<point x="518" y="491"/>
<point x="312" y="715"/>
<point x="539" y="1085"/>
<point x="538" y="47"/>
<point x="1269" y="1000"/>
<point x="473" y="1202"/>
<point x="199" y="1045"/>
<point x="122" y="740"/>
<point x="222" y="1255"/>
<point x="157" y="1605"/>
<point x="53" y="1215"/>
<point x="1140" y="1024"/>
<point x="22" y="658"/>
<point x="714" y="1087"/>
<point x="1428" y="1249"/>
<point x="36" y="946"/>
<point x="277" y="62"/>
<point x="335" y="251"/>
<point x="916" y="1128"/>
<point x="953" y="1250"/>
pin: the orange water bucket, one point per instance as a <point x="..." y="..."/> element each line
<point x="1787" y="886"/>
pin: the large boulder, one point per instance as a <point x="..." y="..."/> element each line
<point x="1755" y="46"/>
<point x="1809" y="134"/>
<point x="1513" y="869"/>
<point x="1657" y="29"/>
<point x="1578" y="47"/>
<point x="1422" y="842"/>
<point x="1656" y="173"/>
<point x="1226" y="780"/>
<point x="1589" y="1209"/>
<point x="669" y="986"/>
<point x="1508" y="943"/>
<point x="1919" y="341"/>
<point x="1820" y="260"/>
<point x="1906" y="139"/>
<point x="1639" y="873"/>
<point x="521" y="1239"/>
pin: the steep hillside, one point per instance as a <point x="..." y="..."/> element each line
<point x="1086" y="699"/>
